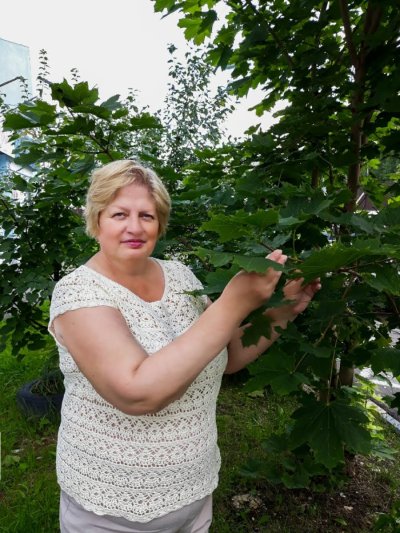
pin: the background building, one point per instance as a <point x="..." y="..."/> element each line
<point x="14" y="65"/>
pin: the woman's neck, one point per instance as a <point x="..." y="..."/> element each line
<point x="144" y="278"/>
<point x="103" y="265"/>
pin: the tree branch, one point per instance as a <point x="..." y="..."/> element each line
<point x="372" y="18"/>
<point x="344" y="10"/>
<point x="275" y="36"/>
<point x="21" y="78"/>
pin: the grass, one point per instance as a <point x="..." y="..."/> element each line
<point x="28" y="488"/>
<point x="29" y="492"/>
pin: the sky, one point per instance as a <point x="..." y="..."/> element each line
<point x="114" y="45"/>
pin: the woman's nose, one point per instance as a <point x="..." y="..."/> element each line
<point x="134" y="224"/>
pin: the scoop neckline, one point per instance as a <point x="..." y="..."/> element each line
<point x="166" y="283"/>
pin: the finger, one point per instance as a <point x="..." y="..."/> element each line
<point x="316" y="283"/>
<point x="278" y="257"/>
<point x="275" y="255"/>
<point x="297" y="282"/>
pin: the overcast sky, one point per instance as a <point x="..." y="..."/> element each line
<point x="114" y="45"/>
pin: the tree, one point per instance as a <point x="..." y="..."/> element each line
<point x="61" y="135"/>
<point x="192" y="115"/>
<point x="296" y="186"/>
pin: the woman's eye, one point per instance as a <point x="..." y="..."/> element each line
<point x="118" y="215"/>
<point x="147" y="216"/>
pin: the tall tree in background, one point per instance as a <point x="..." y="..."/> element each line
<point x="296" y="186"/>
<point x="193" y="113"/>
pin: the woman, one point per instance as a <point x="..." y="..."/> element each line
<point x="143" y="361"/>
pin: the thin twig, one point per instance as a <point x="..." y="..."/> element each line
<point x="344" y="10"/>
<point x="21" y="78"/>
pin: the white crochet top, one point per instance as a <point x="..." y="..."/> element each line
<point x="137" y="467"/>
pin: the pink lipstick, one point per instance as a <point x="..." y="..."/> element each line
<point x="134" y="243"/>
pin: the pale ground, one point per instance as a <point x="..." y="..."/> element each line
<point x="386" y="383"/>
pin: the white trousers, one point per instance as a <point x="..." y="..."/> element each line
<point x="193" y="518"/>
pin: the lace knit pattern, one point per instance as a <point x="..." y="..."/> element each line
<point x="137" y="467"/>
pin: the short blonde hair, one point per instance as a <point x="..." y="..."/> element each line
<point x="106" y="182"/>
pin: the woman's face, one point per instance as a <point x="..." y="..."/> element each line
<point x="129" y="225"/>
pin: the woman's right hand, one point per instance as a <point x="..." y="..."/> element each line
<point x="248" y="290"/>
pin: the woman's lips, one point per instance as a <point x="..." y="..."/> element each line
<point x="133" y="243"/>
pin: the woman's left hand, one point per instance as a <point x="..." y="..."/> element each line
<point x="300" y="295"/>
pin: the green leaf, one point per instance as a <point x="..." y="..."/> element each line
<point x="217" y="281"/>
<point x="327" y="427"/>
<point x="262" y="218"/>
<point x="285" y="384"/>
<point x="83" y="166"/>
<point x="275" y="360"/>
<point x="329" y="259"/>
<point x="363" y="224"/>
<point x="198" y="25"/>
<point x="388" y="217"/>
<point x="20" y="183"/>
<point x="208" y="21"/>
<point x="230" y="227"/>
<point x="17" y="121"/>
<point x="112" y="103"/>
<point x="220" y="56"/>
<point x="259" y="325"/>
<point x="145" y="121"/>
<point x="322" y="352"/>
<point x="275" y="368"/>
<point x="160" y="5"/>
<point x="385" y="278"/>
<point x="31" y="115"/>
<point x="386" y="359"/>
<point x="218" y="259"/>
<point x="71" y="96"/>
<point x="289" y="221"/>
<point x="347" y="422"/>
<point x="227" y="227"/>
<point x="80" y="125"/>
<point x="96" y="110"/>
<point x="298" y="480"/>
<point x="332" y="258"/>
<point x="241" y="86"/>
<point x="256" y="264"/>
<point x="315" y="424"/>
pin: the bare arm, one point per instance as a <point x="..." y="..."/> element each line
<point x="123" y="373"/>
<point x="240" y="356"/>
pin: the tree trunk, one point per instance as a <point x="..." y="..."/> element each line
<point x="359" y="63"/>
<point x="346" y="376"/>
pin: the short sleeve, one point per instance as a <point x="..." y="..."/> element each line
<point x="76" y="291"/>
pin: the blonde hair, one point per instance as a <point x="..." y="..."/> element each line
<point x="106" y="182"/>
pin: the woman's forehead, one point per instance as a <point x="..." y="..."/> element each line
<point x="133" y="193"/>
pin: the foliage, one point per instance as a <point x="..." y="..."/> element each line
<point x="192" y="114"/>
<point x="59" y="137"/>
<point x="389" y="522"/>
<point x="298" y="187"/>
<point x="59" y="142"/>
